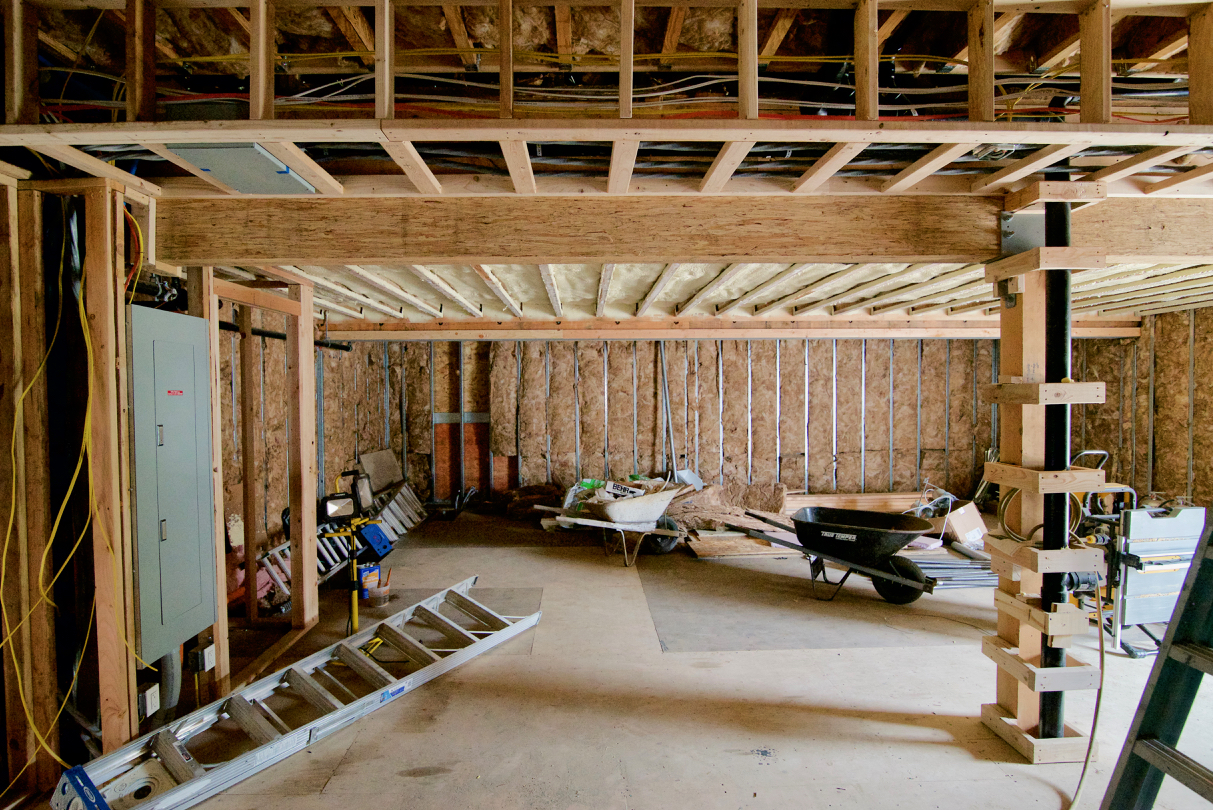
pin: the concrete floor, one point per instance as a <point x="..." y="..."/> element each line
<point x="602" y="707"/>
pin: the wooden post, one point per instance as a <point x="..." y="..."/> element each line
<point x="249" y="382"/>
<point x="203" y="303"/>
<point x="747" y="58"/>
<point x="140" y="60"/>
<point x="981" y="61"/>
<point x="301" y="387"/>
<point x="262" y="57"/>
<point x="505" y="49"/>
<point x="867" y="62"/>
<point x="1200" y="66"/>
<point x="1095" y="63"/>
<point x="627" y="45"/>
<point x="20" y="63"/>
<point x="107" y="468"/>
<point x="385" y="59"/>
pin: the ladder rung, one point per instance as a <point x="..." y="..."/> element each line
<point x="250" y="720"/>
<point x="442" y="624"/>
<point x="476" y="610"/>
<point x="1197" y="656"/>
<point x="311" y="691"/>
<point x="177" y="760"/>
<point x="1180" y="766"/>
<point x="411" y="647"/>
<point x="362" y="664"/>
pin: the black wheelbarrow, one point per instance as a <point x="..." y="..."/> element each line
<point x="867" y="542"/>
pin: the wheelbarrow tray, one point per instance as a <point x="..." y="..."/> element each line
<point x="854" y="536"/>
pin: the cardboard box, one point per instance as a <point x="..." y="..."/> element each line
<point x="964" y="525"/>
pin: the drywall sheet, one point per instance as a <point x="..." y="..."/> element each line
<point x="709" y="411"/>
<point x="878" y="355"/>
<point x="792" y="421"/>
<point x="850" y="427"/>
<point x="736" y="417"/>
<point x="503" y="398"/>
<point x="821" y="416"/>
<point x="532" y="415"/>
<point x="764" y="410"/>
<point x="905" y="414"/>
<point x="649" y="423"/>
<point x="620" y="409"/>
<point x="676" y="372"/>
<point x="1171" y="404"/>
<point x="562" y="412"/>
<point x="417" y="398"/>
<point x="591" y="399"/>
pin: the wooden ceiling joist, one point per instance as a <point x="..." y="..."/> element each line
<point x="549" y="284"/>
<point x="925" y="166"/>
<point x="323" y="283"/>
<point x="440" y="286"/>
<point x="604" y="289"/>
<point x="1181" y="179"/>
<point x="724" y="277"/>
<point x="623" y="160"/>
<point x="874" y="284"/>
<point x="762" y="289"/>
<point x="98" y="168"/>
<point x="800" y="295"/>
<point x="498" y="289"/>
<point x="839" y="155"/>
<point x="1103" y="287"/>
<point x="875" y="300"/>
<point x="1138" y="163"/>
<point x="352" y="24"/>
<point x="658" y="287"/>
<point x="1040" y="159"/>
<point x="774" y="38"/>
<point x="673" y="31"/>
<point x="325" y="304"/>
<point x="891" y="23"/>
<point x="391" y="290"/>
<point x="920" y="309"/>
<point x="722" y="168"/>
<point x="411" y="162"/>
<point x="947" y="296"/>
<point x="298" y="162"/>
<point x="518" y="161"/>
<point x="182" y="163"/>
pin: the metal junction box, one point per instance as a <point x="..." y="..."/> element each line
<point x="171" y="474"/>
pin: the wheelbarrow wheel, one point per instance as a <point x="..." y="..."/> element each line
<point x="894" y="592"/>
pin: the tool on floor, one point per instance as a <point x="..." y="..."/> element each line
<point x="1184" y="658"/>
<point x="323" y="693"/>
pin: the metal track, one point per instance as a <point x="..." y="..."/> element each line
<point x="162" y="760"/>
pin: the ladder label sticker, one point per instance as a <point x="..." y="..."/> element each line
<point x="397" y="692"/>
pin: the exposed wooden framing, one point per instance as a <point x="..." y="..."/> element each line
<point x="892" y="23"/>
<point x="627" y="45"/>
<point x="1040" y="159"/>
<point x="1146" y="296"/>
<point x="1200" y="66"/>
<point x="1094" y="393"/>
<point x="983" y="294"/>
<point x="385" y="59"/>
<point x="439" y="285"/>
<point x="1138" y="163"/>
<point x="357" y="31"/>
<point x="459" y="34"/>
<point x="1002" y="21"/>
<point x="1084" y="294"/>
<point x="392" y="290"/>
<point x="1166" y="48"/>
<point x="564" y="31"/>
<point x="673" y="31"/>
<point x="980" y="55"/>
<point x="518" y="161"/>
<point x="974" y="305"/>
<point x="867" y="60"/>
<point x="1046" y="258"/>
<point x="1095" y="66"/>
<point x="604" y="289"/>
<point x="722" y="168"/>
<point x="250" y="477"/>
<point x="728" y="274"/>
<point x="761" y="289"/>
<point x="945" y="278"/>
<point x="161" y="47"/>
<point x="1181" y="179"/>
<point x="800" y="295"/>
<point x="1071" y="191"/>
<point x="298" y="161"/>
<point x="20" y="63"/>
<point x="549" y="284"/>
<point x="925" y="166"/>
<point x="918" y="304"/>
<point x="254" y="297"/>
<point x="658" y="287"/>
<point x="839" y="155"/>
<point x="180" y="162"/>
<point x="325" y="284"/>
<point x="323" y="304"/>
<point x="65" y="53"/>
<point x="1198" y="302"/>
<point x="107" y="458"/>
<point x="747" y="58"/>
<point x="98" y="168"/>
<point x="874" y="284"/>
<point x="623" y="160"/>
<point x="498" y="289"/>
<point x="140" y="60"/>
<point x="1059" y="53"/>
<point x="263" y="52"/>
<point x="784" y="19"/>
<point x="246" y="25"/>
<point x="413" y="165"/>
<point x="1033" y="481"/>
<point x="204" y="303"/>
<point x="301" y="459"/>
<point x="505" y="57"/>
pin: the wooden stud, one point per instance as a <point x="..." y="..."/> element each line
<point x="604" y="289"/>
<point x="298" y="161"/>
<point x="839" y="155"/>
<point x="1021" y="168"/>
<point x="388" y="288"/>
<point x="980" y="56"/>
<point x="564" y="32"/>
<point x="301" y="459"/>
<point x="623" y="161"/>
<point x="727" y="160"/>
<point x="1138" y="163"/>
<point x="1200" y="66"/>
<point x="459" y="33"/>
<point x="21" y="100"/>
<point x="673" y="32"/>
<point x="549" y="284"/>
<point x="1074" y="393"/>
<point x="440" y="285"/>
<point x="1044" y="482"/>
<point x="518" y="161"/>
<point x="498" y="289"/>
<point x="925" y="166"/>
<point x="505" y="57"/>
<point x="1095" y="63"/>
<point x="250" y="469"/>
<point x="204" y="303"/>
<point x="1074" y="191"/>
<point x="867" y="62"/>
<point x="784" y="19"/>
<point x="627" y="45"/>
<point x="385" y="59"/>
<point x="1046" y="258"/>
<point x="254" y="297"/>
<point x="140" y="60"/>
<point x="728" y="274"/>
<point x="663" y="280"/>
<point x="263" y="56"/>
<point x="747" y="58"/>
<point x="413" y="165"/>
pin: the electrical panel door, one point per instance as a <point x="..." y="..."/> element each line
<point x="171" y="470"/>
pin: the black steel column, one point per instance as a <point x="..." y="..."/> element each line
<point x="1057" y="450"/>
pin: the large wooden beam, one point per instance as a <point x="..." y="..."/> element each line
<point x="470" y="230"/>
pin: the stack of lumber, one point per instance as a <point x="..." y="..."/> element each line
<point x="896" y="502"/>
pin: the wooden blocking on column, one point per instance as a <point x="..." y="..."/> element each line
<point x="140" y="60"/>
<point x="1200" y="66"/>
<point x="1070" y="748"/>
<point x="1044" y="482"/>
<point x="301" y="458"/>
<point x="263" y="54"/>
<point x="1073" y="393"/>
<point x="1073" y="191"/>
<point x="867" y="56"/>
<point x="1095" y="63"/>
<point x="1075" y="675"/>
<point x="981" y="61"/>
<point x="1046" y="258"/>
<point x="385" y="58"/>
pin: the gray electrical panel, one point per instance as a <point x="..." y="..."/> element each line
<point x="171" y="472"/>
